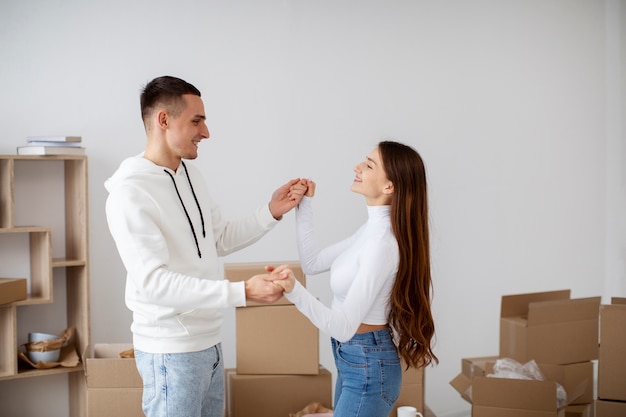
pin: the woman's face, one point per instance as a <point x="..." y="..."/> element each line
<point x="371" y="180"/>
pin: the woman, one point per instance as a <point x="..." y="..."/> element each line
<point x="380" y="278"/>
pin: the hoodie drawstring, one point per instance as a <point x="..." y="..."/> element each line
<point x="193" y="230"/>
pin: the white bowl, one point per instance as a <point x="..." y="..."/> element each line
<point x="40" y="337"/>
<point x="49" y="356"/>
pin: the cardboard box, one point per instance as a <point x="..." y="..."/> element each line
<point x="276" y="340"/>
<point x="549" y="327"/>
<point x="497" y="397"/>
<point x="235" y="272"/>
<point x="610" y="408"/>
<point x="119" y="402"/>
<point x="105" y="369"/>
<point x="411" y="391"/>
<point x="114" y="387"/>
<point x="428" y="412"/>
<point x="275" y="395"/>
<point x="612" y="357"/>
<point x="576" y="379"/>
<point x="580" y="410"/>
<point x="12" y="289"/>
<point x="470" y="368"/>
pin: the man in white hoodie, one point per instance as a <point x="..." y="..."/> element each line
<point x="169" y="234"/>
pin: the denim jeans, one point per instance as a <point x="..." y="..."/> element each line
<point x="369" y="375"/>
<point x="182" y="384"/>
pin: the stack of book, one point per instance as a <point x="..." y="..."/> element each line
<point x="52" y="145"/>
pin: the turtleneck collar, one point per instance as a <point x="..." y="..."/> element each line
<point x="378" y="212"/>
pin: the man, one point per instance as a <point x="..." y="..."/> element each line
<point x="169" y="234"/>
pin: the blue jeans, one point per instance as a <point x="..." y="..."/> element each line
<point x="182" y="384"/>
<point x="369" y="375"/>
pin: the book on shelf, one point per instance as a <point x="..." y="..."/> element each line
<point x="60" y="138"/>
<point x="51" y="143"/>
<point x="50" y="150"/>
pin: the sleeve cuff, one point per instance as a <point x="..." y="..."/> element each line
<point x="265" y="216"/>
<point x="237" y="294"/>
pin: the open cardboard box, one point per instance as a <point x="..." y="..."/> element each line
<point x="114" y="387"/>
<point x="549" y="327"/>
<point x="275" y="395"/>
<point x="104" y="368"/>
<point x="496" y="397"/>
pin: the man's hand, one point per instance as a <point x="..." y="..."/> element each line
<point x="261" y="288"/>
<point x="287" y="197"/>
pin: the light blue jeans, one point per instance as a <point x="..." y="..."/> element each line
<point x="182" y="384"/>
<point x="369" y="375"/>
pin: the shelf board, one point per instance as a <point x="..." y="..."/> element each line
<point x="33" y="301"/>
<point x="43" y="157"/>
<point x="25" y="229"/>
<point x="31" y="372"/>
<point x="63" y="262"/>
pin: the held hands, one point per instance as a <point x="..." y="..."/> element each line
<point x="283" y="276"/>
<point x="289" y="195"/>
<point x="268" y="288"/>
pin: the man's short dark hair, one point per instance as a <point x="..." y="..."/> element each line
<point x="167" y="91"/>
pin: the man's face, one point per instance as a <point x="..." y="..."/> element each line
<point x="185" y="131"/>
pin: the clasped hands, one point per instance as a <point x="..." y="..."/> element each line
<point x="269" y="288"/>
<point x="289" y="195"/>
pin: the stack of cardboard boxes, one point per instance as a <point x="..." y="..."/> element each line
<point x="561" y="335"/>
<point x="278" y="370"/>
<point x="611" y="400"/>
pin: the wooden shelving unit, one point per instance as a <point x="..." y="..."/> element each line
<point x="75" y="264"/>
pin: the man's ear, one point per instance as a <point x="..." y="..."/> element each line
<point x="388" y="188"/>
<point x="162" y="119"/>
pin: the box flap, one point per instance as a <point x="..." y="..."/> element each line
<point x="514" y="393"/>
<point x="462" y="384"/>
<point x="472" y="367"/>
<point x="618" y="300"/>
<point x="574" y="378"/>
<point x="578" y="309"/>
<point x="517" y="305"/>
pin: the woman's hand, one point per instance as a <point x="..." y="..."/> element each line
<point x="310" y="191"/>
<point x="282" y="276"/>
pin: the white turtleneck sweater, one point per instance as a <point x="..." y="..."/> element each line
<point x="362" y="271"/>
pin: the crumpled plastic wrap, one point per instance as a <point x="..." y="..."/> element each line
<point x="512" y="369"/>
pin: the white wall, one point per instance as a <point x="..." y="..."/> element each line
<point x="516" y="107"/>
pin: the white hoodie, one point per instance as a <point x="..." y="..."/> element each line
<point x="173" y="284"/>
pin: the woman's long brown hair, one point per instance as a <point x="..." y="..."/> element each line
<point x="410" y="314"/>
